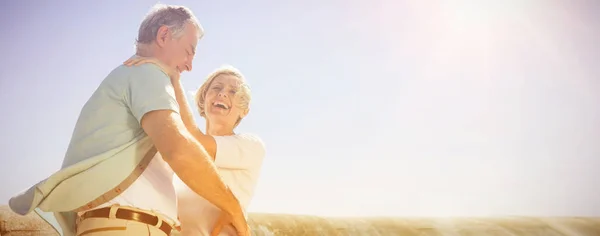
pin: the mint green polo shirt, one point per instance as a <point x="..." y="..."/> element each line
<point x="107" y="144"/>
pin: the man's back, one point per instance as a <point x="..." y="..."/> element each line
<point x="107" y="147"/>
<point x="106" y="121"/>
<point x="107" y="143"/>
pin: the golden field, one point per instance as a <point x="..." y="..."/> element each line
<point x="278" y="224"/>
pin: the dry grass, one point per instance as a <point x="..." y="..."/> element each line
<point x="297" y="225"/>
<point x="269" y="224"/>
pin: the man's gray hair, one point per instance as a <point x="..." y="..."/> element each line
<point x="174" y="17"/>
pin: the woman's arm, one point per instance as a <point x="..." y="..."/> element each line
<point x="207" y="141"/>
<point x="188" y="119"/>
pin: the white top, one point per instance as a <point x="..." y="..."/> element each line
<point x="238" y="160"/>
<point x="152" y="191"/>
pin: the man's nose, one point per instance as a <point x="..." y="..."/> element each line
<point x="188" y="66"/>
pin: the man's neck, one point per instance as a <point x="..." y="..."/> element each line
<point x="144" y="51"/>
<point x="150" y="50"/>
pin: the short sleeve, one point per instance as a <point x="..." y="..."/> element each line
<point x="150" y="89"/>
<point x="241" y="151"/>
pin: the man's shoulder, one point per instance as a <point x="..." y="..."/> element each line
<point x="122" y="77"/>
<point x="144" y="70"/>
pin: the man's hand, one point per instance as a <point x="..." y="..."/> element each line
<point x="239" y="223"/>
<point x="221" y="222"/>
<point x="171" y="72"/>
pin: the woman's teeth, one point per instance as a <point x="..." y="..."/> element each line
<point x="220" y="105"/>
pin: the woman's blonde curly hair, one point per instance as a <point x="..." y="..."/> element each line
<point x="243" y="91"/>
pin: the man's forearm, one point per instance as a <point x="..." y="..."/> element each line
<point x="192" y="165"/>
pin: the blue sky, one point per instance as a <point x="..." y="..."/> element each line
<point x="406" y="108"/>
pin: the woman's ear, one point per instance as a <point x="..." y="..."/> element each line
<point x="244" y="113"/>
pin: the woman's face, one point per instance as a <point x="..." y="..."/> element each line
<point x="221" y="104"/>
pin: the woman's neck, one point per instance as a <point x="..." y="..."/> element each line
<point x="218" y="130"/>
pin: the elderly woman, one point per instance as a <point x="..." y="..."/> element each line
<point x="223" y="100"/>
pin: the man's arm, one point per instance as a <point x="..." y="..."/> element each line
<point x="151" y="99"/>
<point x="188" y="159"/>
<point x="188" y="119"/>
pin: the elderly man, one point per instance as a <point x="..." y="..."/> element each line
<point x="110" y="182"/>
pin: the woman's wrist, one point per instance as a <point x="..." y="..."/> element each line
<point x="175" y="77"/>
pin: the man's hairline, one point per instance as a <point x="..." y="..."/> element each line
<point x="192" y="21"/>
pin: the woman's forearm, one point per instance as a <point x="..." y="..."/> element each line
<point x="187" y="116"/>
<point x="184" y="108"/>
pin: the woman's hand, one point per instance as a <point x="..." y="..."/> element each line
<point x="171" y="72"/>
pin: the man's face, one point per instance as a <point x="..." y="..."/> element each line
<point x="179" y="52"/>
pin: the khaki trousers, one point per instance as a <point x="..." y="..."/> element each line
<point x="118" y="227"/>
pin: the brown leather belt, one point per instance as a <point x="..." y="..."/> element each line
<point x="126" y="214"/>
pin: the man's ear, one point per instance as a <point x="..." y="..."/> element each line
<point x="163" y="36"/>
